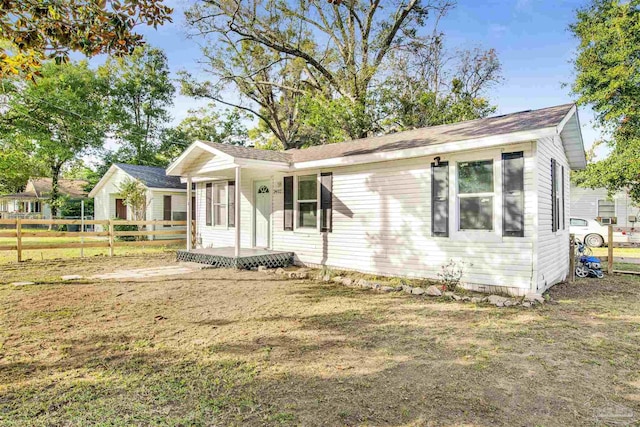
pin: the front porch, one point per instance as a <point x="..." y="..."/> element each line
<point x="234" y="205"/>
<point x="247" y="259"/>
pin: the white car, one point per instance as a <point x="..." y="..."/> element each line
<point x="592" y="233"/>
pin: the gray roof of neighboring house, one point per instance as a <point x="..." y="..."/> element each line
<point x="152" y="176"/>
<point x="471" y="129"/>
<point x="40" y="188"/>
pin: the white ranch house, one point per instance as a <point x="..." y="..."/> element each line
<point x="166" y="195"/>
<point x="490" y="193"/>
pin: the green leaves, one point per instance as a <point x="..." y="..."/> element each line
<point x="59" y="119"/>
<point x="607" y="69"/>
<point x="140" y="93"/>
<point x="51" y="31"/>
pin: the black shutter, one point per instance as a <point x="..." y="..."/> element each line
<point x="554" y="206"/>
<point x="166" y="208"/>
<point x="231" y="207"/>
<point x="326" y="202"/>
<point x="207" y="208"/>
<point x="513" y="194"/>
<point x="563" y="215"/>
<point x="288" y="203"/>
<point x="440" y="199"/>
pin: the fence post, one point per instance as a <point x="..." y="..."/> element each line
<point x="111" y="237"/>
<point x="610" y="250"/>
<point x="572" y="257"/>
<point x="19" y="238"/>
<point x="193" y="233"/>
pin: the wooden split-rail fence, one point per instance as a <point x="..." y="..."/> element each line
<point x="20" y="231"/>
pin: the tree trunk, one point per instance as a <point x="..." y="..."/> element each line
<point x="55" y="190"/>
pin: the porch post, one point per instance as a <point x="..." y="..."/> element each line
<point x="237" y="212"/>
<point x="189" y="222"/>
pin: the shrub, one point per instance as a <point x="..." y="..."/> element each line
<point x="451" y="274"/>
<point x="123" y="227"/>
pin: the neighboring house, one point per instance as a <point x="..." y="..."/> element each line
<point x="595" y="203"/>
<point x="491" y="194"/>
<point x="166" y="195"/>
<point x="33" y="202"/>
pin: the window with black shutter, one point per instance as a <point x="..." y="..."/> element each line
<point x="440" y="199"/>
<point x="513" y="194"/>
<point x="554" y="197"/>
<point x="209" y="202"/>
<point x="326" y="201"/>
<point x="562" y="183"/>
<point x="232" y="203"/>
<point x="288" y="202"/>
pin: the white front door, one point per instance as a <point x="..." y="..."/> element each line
<point x="262" y="213"/>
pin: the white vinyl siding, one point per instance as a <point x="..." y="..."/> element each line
<point x="584" y="204"/>
<point x="382" y="222"/>
<point x="105" y="202"/>
<point x="552" y="263"/>
<point x="382" y="225"/>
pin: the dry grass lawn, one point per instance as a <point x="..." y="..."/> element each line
<point x="220" y="347"/>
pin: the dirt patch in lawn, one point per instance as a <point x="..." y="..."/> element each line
<point x="221" y="347"/>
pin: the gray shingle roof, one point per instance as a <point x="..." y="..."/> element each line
<point x="152" y="176"/>
<point x="471" y="129"/>
<point x="492" y="126"/>
<point x="250" y="153"/>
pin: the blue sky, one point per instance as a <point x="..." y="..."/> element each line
<point x="531" y="38"/>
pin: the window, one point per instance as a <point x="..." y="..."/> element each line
<point x="575" y="222"/>
<point x="606" y="209"/>
<point x="307" y="201"/>
<point x="179" y="216"/>
<point x="475" y="195"/>
<point x="219" y="204"/>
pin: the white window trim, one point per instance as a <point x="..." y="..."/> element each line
<point x="615" y="208"/>
<point x="494" y="195"/>
<point x="225" y="224"/>
<point x="494" y="235"/>
<point x="296" y="212"/>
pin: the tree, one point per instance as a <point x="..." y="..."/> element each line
<point x="426" y="88"/>
<point x="266" y="50"/>
<point x="134" y="195"/>
<point x="17" y="163"/>
<point x="61" y="116"/>
<point x="34" y="30"/>
<point x="205" y="124"/>
<point x="607" y="67"/>
<point x="140" y="94"/>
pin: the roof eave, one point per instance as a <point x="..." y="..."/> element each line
<point x="570" y="133"/>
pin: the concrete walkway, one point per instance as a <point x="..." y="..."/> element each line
<point x="142" y="273"/>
